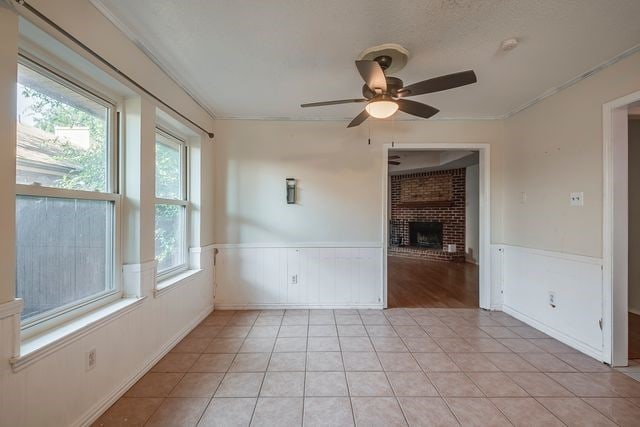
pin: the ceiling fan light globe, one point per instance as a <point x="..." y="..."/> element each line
<point x="381" y="109"/>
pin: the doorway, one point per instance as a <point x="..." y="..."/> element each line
<point x="436" y="225"/>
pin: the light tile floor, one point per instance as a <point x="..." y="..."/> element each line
<point x="395" y="367"/>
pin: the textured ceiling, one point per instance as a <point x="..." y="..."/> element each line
<point x="262" y="58"/>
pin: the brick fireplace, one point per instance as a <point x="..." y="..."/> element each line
<point x="428" y="215"/>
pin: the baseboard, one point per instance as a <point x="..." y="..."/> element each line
<point x="554" y="333"/>
<point x="97" y="410"/>
<point x="297" y="306"/>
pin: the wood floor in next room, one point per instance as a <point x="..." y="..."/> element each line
<point x="423" y="283"/>
<point x="397" y="367"/>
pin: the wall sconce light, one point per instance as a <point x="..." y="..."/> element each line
<point x="291" y="191"/>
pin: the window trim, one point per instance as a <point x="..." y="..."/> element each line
<point x="39" y="323"/>
<point x="183" y="200"/>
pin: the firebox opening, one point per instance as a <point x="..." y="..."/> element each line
<point x="425" y="235"/>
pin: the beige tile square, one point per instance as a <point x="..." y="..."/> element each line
<point x="197" y="384"/>
<point x="528" y="332"/>
<point x="286" y="345"/>
<point x="574" y="412"/>
<point x="228" y="412"/>
<point x="454" y="345"/>
<point x="264" y="332"/>
<point x="520" y="345"/>
<point x="250" y="362"/>
<point x="487" y="345"/>
<point x="621" y="411"/>
<point x="499" y="332"/>
<point x="582" y="385"/>
<point x="287" y="362"/>
<point x="212" y="363"/>
<point x="526" y="412"/>
<point x="361" y="361"/>
<point x="455" y="384"/>
<point x="327" y="412"/>
<point x="323" y="331"/>
<point x="352" y="331"/>
<point x="348" y="343"/>
<point x="497" y="384"/>
<point x="324" y="361"/>
<point x="154" y="384"/>
<point x="268" y="321"/>
<point x="398" y="362"/>
<point x="546" y="362"/>
<point x="374" y="319"/>
<point x="439" y="331"/>
<point x="133" y="411"/>
<point x="234" y="332"/>
<point x="326" y="384"/>
<point x="283" y="384"/>
<point x="436" y="362"/>
<point x="203" y="331"/>
<point x="377" y="411"/>
<point x="427" y="411"/>
<point x="348" y="319"/>
<point x="224" y="345"/>
<point x="240" y="385"/>
<point x="289" y="331"/>
<point x="622" y="384"/>
<point x="388" y="344"/>
<point x="553" y="346"/>
<point x="176" y="362"/>
<point x="583" y="363"/>
<point x="182" y="411"/>
<point x="473" y="362"/>
<point x="368" y="384"/>
<point x="539" y="385"/>
<point x="411" y="384"/>
<point x="422" y="345"/>
<point x="410" y="331"/>
<point x="510" y="362"/>
<point x="381" y="331"/>
<point x="257" y="345"/>
<point x="323" y="344"/>
<point x="476" y="412"/>
<point x="278" y="412"/>
<point x="295" y="320"/>
<point x="322" y="319"/>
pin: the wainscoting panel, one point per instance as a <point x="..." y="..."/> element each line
<point x="309" y="276"/>
<point x="531" y="275"/>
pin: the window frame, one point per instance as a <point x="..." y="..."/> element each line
<point x="164" y="136"/>
<point x="43" y="321"/>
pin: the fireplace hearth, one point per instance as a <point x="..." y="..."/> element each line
<point x="425" y="235"/>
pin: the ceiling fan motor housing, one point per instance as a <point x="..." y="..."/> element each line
<point x="394" y="84"/>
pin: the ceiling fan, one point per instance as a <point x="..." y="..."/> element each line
<point x="393" y="160"/>
<point x="385" y="95"/>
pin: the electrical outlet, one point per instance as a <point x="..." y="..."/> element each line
<point x="91" y="359"/>
<point x="552" y="299"/>
<point x="294" y="279"/>
<point x="576" y="199"/>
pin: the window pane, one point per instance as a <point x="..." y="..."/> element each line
<point x="169" y="236"/>
<point x="64" y="253"/>
<point x="62" y="135"/>
<point x="168" y="170"/>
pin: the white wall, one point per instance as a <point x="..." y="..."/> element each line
<point x="472" y="218"/>
<point x="554" y="148"/>
<point x="634" y="216"/>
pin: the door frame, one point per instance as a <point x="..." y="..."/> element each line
<point x="486" y="299"/>
<point x="615" y="230"/>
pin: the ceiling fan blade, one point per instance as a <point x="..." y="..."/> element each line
<point x="416" y="108"/>
<point x="393" y="157"/>
<point x="359" y="119"/>
<point x="394" y="163"/>
<point x="438" y="84"/>
<point x="340" y="101"/>
<point x="372" y="75"/>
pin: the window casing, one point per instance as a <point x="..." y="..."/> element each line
<point x="172" y="206"/>
<point x="67" y="201"/>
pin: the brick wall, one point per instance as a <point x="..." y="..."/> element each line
<point x="423" y="197"/>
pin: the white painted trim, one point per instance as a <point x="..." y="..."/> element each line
<point x="298" y="245"/>
<point x="484" y="209"/>
<point x="99" y="408"/>
<point x="296" y="306"/>
<point x="571" y="342"/>
<point x="139" y="268"/>
<point x="11" y="308"/>
<point x="54" y="339"/>
<point x="202" y="249"/>
<point x="615" y="232"/>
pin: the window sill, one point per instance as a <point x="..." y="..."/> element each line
<point x="50" y="341"/>
<point x="173" y="282"/>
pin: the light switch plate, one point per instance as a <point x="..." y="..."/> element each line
<point x="576" y="199"/>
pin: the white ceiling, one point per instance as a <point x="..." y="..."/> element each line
<point x="262" y="58"/>
<point x="430" y="160"/>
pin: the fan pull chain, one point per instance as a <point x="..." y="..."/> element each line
<point x="393" y="131"/>
<point x="369" y="127"/>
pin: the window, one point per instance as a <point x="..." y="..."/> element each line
<point x="66" y="201"/>
<point x="172" y="206"/>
